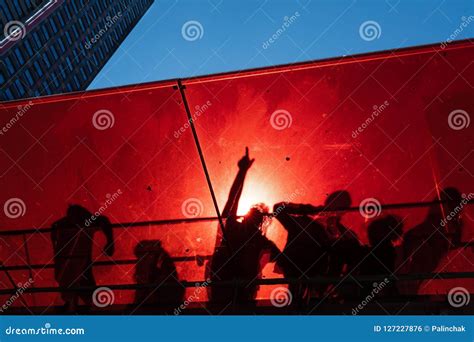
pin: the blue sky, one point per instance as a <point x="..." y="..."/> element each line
<point x="234" y="33"/>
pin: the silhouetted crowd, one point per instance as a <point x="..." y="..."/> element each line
<point x="318" y="244"/>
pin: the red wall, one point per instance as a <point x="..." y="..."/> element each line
<point x="53" y="155"/>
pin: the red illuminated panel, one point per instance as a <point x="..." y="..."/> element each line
<point x="116" y="152"/>
<point x="376" y="126"/>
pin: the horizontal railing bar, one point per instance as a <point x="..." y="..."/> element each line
<point x="146" y="224"/>
<point x="271" y="281"/>
<point x="134" y="261"/>
<point x="102" y="263"/>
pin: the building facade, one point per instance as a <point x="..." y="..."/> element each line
<point x="53" y="46"/>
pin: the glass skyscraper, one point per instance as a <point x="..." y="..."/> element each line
<point x="54" y="46"/>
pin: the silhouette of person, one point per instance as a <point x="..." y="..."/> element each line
<point x="72" y="240"/>
<point x="380" y="256"/>
<point x="345" y="247"/>
<point x="427" y="243"/>
<point x="239" y="257"/>
<point x="305" y="253"/>
<point x="155" y="266"/>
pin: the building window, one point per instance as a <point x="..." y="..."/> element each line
<point x="83" y="74"/>
<point x="9" y="94"/>
<point x="68" y="13"/>
<point x="19" y="56"/>
<point x="19" y="87"/>
<point x="61" y="20"/>
<point x="37" y="40"/>
<point x="68" y="61"/>
<point x="9" y="64"/>
<point x="68" y="38"/>
<point x="46" y="88"/>
<point x="53" y="25"/>
<point x="54" y="52"/>
<point x="55" y="80"/>
<point x="29" y="78"/>
<point x="38" y="69"/>
<point x="78" y="84"/>
<point x="61" y="45"/>
<point x="45" y="33"/>
<point x="46" y="60"/>
<point x="28" y="47"/>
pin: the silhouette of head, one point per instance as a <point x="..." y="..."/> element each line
<point x="340" y="199"/>
<point x="452" y="197"/>
<point x="78" y="213"/>
<point x="452" y="206"/>
<point x="387" y="229"/>
<point x="256" y="215"/>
